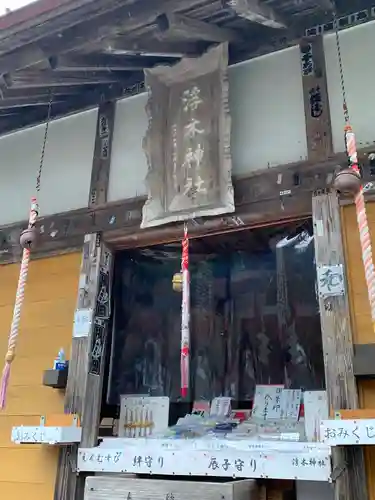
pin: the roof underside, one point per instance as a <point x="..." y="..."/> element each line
<point x="83" y="51"/>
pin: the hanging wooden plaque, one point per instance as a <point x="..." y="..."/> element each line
<point x="188" y="140"/>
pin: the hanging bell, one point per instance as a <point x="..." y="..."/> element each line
<point x="29" y="238"/>
<point x="347" y="181"/>
<point x="177" y="282"/>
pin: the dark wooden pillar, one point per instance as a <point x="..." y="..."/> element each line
<point x="348" y="462"/>
<point x="90" y="329"/>
<point x="315" y="95"/>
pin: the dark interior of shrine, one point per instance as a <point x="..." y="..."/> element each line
<point x="254" y="317"/>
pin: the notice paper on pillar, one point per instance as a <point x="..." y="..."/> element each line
<point x="142" y="416"/>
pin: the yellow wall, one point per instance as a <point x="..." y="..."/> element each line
<point x="29" y="471"/>
<point x="360" y="312"/>
<point x="360" y="309"/>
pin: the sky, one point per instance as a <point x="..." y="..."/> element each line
<point x="12" y="4"/>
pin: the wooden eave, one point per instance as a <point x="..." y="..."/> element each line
<point x="84" y="51"/>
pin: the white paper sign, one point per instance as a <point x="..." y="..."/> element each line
<point x="221" y="406"/>
<point x="82" y="322"/>
<point x="30" y="434"/>
<point x="267" y="402"/>
<point x="151" y="459"/>
<point x="290" y="404"/>
<point x="217" y="444"/>
<point x="331" y="281"/>
<point x="316" y="409"/>
<point x="143" y="416"/>
<point x="46" y="435"/>
<point x="348" y="432"/>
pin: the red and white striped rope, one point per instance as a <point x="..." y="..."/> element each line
<point x="185" y="316"/>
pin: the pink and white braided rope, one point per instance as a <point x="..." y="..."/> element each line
<point x="363" y="227"/>
<point x="14" y="329"/>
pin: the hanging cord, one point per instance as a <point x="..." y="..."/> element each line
<point x="349" y="137"/>
<point x="41" y="162"/>
<point x="341" y="66"/>
<point x="27" y="241"/>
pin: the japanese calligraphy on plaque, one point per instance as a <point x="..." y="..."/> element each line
<point x="317" y="115"/>
<point x="188" y="140"/>
<point x="331" y="282"/>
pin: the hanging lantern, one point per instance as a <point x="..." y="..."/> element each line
<point x="177" y="282"/>
<point x="348" y="181"/>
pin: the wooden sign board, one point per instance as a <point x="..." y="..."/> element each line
<point x="188" y="140"/>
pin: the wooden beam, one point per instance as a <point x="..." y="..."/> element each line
<point x="326" y="5"/>
<point x="102" y="154"/>
<point x="348" y="462"/>
<point x="257" y="12"/>
<point x="315" y="93"/>
<point x="98" y="63"/>
<point x="26" y="101"/>
<point x="54" y="21"/>
<point x="121" y="45"/>
<point x="9" y="112"/>
<point x="84" y="98"/>
<point x="35" y="13"/>
<point x="178" y="26"/>
<point x="14" y="93"/>
<point x="259" y="197"/>
<point x="280" y="40"/>
<point x="125" y="16"/>
<point x="49" y="78"/>
<point x="26" y="57"/>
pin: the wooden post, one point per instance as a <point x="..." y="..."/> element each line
<point x="348" y="462"/>
<point x="315" y="94"/>
<point x="86" y="365"/>
<point x="84" y="389"/>
<point x="102" y="154"/>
